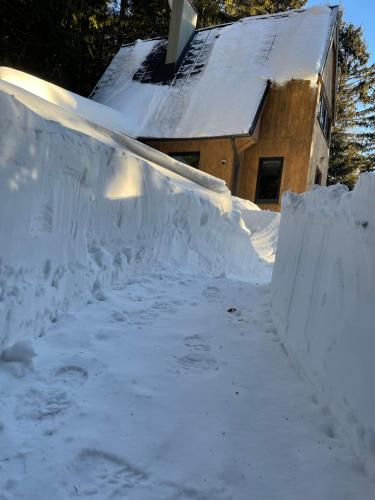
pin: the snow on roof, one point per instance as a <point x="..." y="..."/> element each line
<point x="219" y="86"/>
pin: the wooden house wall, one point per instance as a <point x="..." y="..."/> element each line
<point x="216" y="155"/>
<point x="286" y="130"/>
<point x="289" y="128"/>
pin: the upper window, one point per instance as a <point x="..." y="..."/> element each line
<point x="324" y="116"/>
<point x="318" y="177"/>
<point x="269" y="180"/>
<point x="190" y="158"/>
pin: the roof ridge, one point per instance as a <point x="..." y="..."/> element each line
<point x="253" y="18"/>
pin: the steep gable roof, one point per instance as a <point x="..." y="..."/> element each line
<point x="221" y="82"/>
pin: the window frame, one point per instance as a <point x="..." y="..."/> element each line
<point x="318" y="173"/>
<point x="326" y="120"/>
<point x="262" y="160"/>
<point x="195" y="154"/>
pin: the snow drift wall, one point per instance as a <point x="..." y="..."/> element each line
<point x="323" y="301"/>
<point x="81" y="212"/>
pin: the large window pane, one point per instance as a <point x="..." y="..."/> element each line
<point x="190" y="158"/>
<point x="318" y="177"/>
<point x="269" y="180"/>
<point x="324" y="117"/>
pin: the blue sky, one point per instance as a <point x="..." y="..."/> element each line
<point x="360" y="13"/>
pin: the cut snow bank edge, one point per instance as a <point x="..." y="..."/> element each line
<point x="323" y="301"/>
<point x="29" y="88"/>
<point x="81" y="212"/>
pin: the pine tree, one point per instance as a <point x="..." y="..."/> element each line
<point x="68" y="42"/>
<point x="142" y="19"/>
<point x="236" y="9"/>
<point x="353" y="136"/>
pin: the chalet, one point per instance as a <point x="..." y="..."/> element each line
<point x="251" y="102"/>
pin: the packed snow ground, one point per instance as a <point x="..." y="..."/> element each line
<point x="159" y="393"/>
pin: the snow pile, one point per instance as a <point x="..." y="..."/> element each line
<point x="84" y="208"/>
<point x="323" y="299"/>
<point x="242" y="56"/>
<point x="263" y="226"/>
<point x="70" y="101"/>
<point x="20" y="352"/>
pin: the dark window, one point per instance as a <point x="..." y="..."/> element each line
<point x="269" y="180"/>
<point x="191" y="159"/>
<point x="324" y="116"/>
<point x="318" y="177"/>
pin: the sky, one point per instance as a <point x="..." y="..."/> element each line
<point x="360" y="13"/>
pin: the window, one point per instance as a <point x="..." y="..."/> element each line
<point x="191" y="159"/>
<point x="318" y="177"/>
<point x="324" y="116"/>
<point x="269" y="180"/>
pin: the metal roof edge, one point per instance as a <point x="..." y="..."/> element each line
<point x="260" y="108"/>
<point x="184" y="139"/>
<point x="336" y="12"/>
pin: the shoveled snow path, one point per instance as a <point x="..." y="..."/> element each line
<point x="158" y="393"/>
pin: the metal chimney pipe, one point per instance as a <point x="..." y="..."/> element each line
<point x="184" y="19"/>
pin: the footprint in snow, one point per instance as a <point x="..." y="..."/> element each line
<point x="196" y="362"/>
<point x="72" y="375"/>
<point x="195" y="343"/>
<point x="102" y="475"/>
<point x="38" y="404"/>
<point x="119" y="316"/>
<point x="164" y="306"/>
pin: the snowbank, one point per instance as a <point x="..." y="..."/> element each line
<point x="323" y="300"/>
<point x="70" y="101"/>
<point x="84" y="208"/>
<point x="34" y="92"/>
<point x="263" y="226"/>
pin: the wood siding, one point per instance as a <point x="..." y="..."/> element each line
<point x="286" y="130"/>
<point x="216" y="155"/>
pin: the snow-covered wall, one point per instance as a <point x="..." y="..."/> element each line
<point x="323" y="301"/>
<point x="83" y="209"/>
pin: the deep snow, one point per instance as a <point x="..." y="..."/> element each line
<point x="159" y="393"/>
<point x="131" y="366"/>
<point x="323" y="298"/>
<point x="84" y="207"/>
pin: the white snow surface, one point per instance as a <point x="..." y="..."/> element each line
<point x="158" y="393"/>
<point x="134" y="364"/>
<point x="83" y="208"/>
<point x="224" y="99"/>
<point x="52" y="102"/>
<point x="105" y="116"/>
<point x="263" y="225"/>
<point x="323" y="300"/>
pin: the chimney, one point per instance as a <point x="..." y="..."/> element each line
<point x="182" y="26"/>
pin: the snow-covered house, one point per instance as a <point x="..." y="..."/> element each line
<point x="251" y="102"/>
